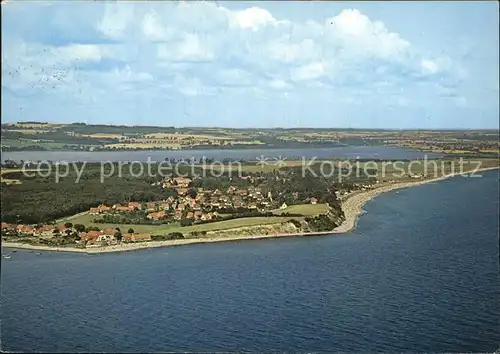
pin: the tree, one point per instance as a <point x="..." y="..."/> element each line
<point x="175" y="236"/>
<point x="130" y="231"/>
<point x="186" y="222"/>
<point x="79" y="227"/>
<point x="68" y="225"/>
<point x="118" y="235"/>
<point x="192" y="193"/>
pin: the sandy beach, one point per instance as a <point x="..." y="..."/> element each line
<point x="351" y="205"/>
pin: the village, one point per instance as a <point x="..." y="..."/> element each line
<point x="73" y="234"/>
<point x="190" y="202"/>
<point x="187" y="207"/>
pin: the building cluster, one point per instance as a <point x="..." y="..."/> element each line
<point x="109" y="237"/>
<point x="37" y="231"/>
<point x="202" y="205"/>
<point x="90" y="238"/>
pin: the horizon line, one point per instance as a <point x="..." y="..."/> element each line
<point x="254" y="128"/>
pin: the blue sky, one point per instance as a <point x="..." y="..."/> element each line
<point x="252" y="64"/>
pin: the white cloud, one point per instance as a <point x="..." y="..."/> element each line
<point x="252" y="18"/>
<point x="293" y="52"/>
<point x="192" y="86"/>
<point x="196" y="48"/>
<point x="153" y="29"/>
<point x="359" y="35"/>
<point x="189" y="48"/>
<point x="280" y="85"/>
<point x="82" y="52"/>
<point x="234" y="77"/>
<point x="308" y="71"/>
<point x="116" y="20"/>
<point x="429" y="66"/>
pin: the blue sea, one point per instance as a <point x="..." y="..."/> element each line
<point x="420" y="273"/>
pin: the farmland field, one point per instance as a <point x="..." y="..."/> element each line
<point x="175" y="227"/>
<point x="304" y="209"/>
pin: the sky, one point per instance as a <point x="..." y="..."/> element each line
<point x="252" y="64"/>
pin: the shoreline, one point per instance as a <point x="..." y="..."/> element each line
<point x="352" y="207"/>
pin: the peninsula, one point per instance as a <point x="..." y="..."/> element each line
<point x="254" y="205"/>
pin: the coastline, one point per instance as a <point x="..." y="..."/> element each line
<point x="352" y="207"/>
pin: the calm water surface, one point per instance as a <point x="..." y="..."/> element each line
<point x="420" y="273"/>
<point x="373" y="152"/>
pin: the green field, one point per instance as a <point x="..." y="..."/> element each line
<point x="21" y="143"/>
<point x="304" y="209"/>
<point x="175" y="227"/>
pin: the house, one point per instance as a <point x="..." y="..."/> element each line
<point x="182" y="182"/>
<point x="242" y="192"/>
<point x="89" y="238"/>
<point x="119" y="207"/>
<point x="109" y="232"/>
<point x="44" y="231"/>
<point x="157" y="216"/>
<point x="207" y="216"/>
<point x="99" y="209"/>
<point x="313" y="200"/>
<point x="106" y="238"/>
<point x="190" y="215"/>
<point x="181" y="207"/>
<point x="165" y="205"/>
<point x="25" y="229"/>
<point x="182" y="191"/>
<point x="196" y="207"/>
<point x="103" y="208"/>
<point x="136" y="237"/>
<point x="134" y="205"/>
<point x="283" y="206"/>
<point x="6" y="226"/>
<point x="65" y="231"/>
<point x="178" y="215"/>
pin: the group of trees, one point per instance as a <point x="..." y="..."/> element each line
<point x="321" y="223"/>
<point x="41" y="199"/>
<point x="170" y="236"/>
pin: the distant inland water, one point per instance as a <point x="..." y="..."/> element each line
<point x="419" y="274"/>
<point x="344" y="152"/>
